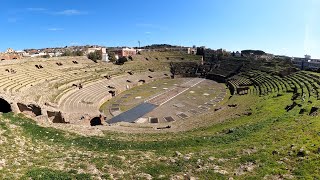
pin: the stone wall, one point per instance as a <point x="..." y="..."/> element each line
<point x="9" y="56"/>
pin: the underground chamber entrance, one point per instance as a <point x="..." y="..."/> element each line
<point x="96" y="121"/>
<point x="5" y="107"/>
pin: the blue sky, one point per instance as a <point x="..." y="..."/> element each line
<point x="288" y="27"/>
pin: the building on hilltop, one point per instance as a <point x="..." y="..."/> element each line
<point x="93" y="49"/>
<point x="267" y="57"/>
<point x="102" y="50"/>
<point x="10" y="51"/>
<point x="124" y="52"/>
<point x="306" y="63"/>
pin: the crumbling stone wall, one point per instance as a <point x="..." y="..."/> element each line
<point x="31" y="109"/>
<point x="56" y="117"/>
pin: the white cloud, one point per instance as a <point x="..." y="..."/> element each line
<point x="70" y="12"/>
<point x="55" y="29"/>
<point x="36" y="9"/>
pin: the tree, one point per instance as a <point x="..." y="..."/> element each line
<point x="94" y="56"/>
<point x="67" y="53"/>
<point x="219" y="56"/>
<point x="112" y="57"/>
<point x="252" y="52"/>
<point x="78" y="53"/>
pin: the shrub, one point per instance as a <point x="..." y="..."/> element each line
<point x="121" y="61"/>
<point x="112" y="57"/>
<point x="46" y="56"/>
<point x="72" y="53"/>
<point x="67" y="53"/>
<point x="94" y="56"/>
<point x="78" y="53"/>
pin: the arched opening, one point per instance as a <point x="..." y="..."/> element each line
<point x="31" y="109"/>
<point x="56" y="117"/>
<point x="96" y="121"/>
<point x="5" y="107"/>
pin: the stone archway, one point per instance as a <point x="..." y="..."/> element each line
<point x="96" y="121"/>
<point x="5" y="106"/>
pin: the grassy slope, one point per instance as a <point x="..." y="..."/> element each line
<point x="265" y="144"/>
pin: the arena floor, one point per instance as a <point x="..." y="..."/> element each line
<point x="171" y="99"/>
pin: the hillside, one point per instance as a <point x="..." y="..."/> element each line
<point x="270" y="143"/>
<point x="267" y="127"/>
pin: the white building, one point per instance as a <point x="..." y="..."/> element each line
<point x="10" y="51"/>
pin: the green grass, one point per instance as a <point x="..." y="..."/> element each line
<point x="45" y="173"/>
<point x="270" y="139"/>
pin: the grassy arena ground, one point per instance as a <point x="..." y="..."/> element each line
<point x="271" y="144"/>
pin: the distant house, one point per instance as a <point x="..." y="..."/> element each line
<point x="57" y="54"/>
<point x="267" y="57"/>
<point x="51" y="54"/>
<point x="93" y="49"/>
<point x="21" y="53"/>
<point x="124" y="52"/>
<point x="105" y="56"/>
<point x="281" y="57"/>
<point x="10" y="51"/>
<point x="306" y="63"/>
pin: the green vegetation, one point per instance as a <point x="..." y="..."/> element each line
<point x="121" y="60"/>
<point x="94" y="56"/>
<point x="272" y="132"/>
<point x="252" y="52"/>
<point x="112" y="57"/>
<point x="72" y="53"/>
<point x="270" y="143"/>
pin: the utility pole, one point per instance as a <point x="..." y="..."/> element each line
<point x="139" y="44"/>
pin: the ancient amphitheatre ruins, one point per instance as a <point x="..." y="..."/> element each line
<point x="239" y="113"/>
<point x="69" y="92"/>
<point x="140" y="96"/>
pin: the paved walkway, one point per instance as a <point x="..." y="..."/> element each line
<point x="133" y="114"/>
